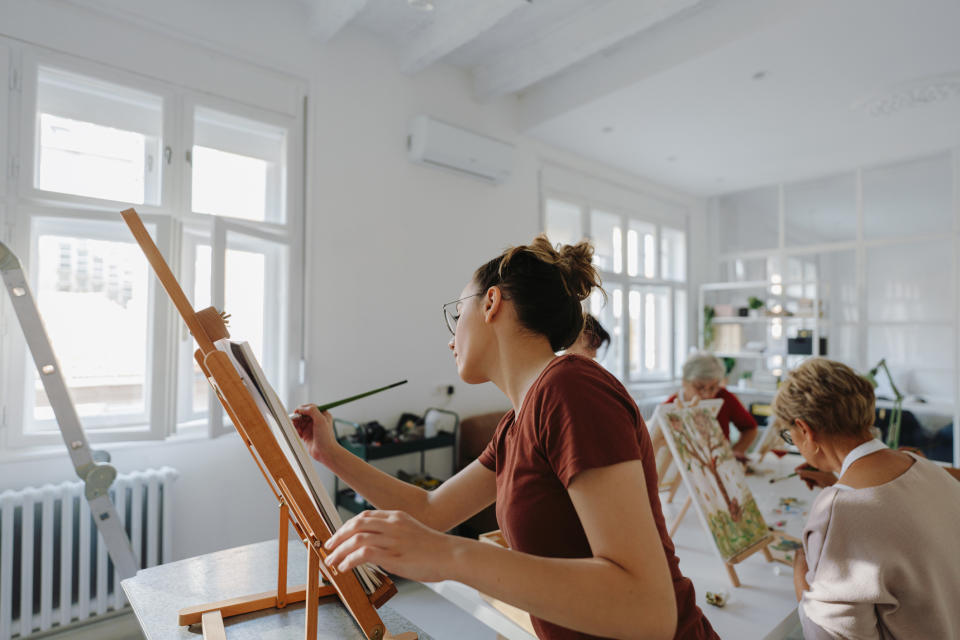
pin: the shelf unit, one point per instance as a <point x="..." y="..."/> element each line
<point x="773" y="293"/>
<point x="346" y="497"/>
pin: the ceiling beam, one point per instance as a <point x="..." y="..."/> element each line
<point x="452" y="27"/>
<point x="328" y="17"/>
<point x="702" y="32"/>
<point x="582" y="34"/>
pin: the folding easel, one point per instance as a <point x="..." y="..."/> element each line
<point x="660" y="437"/>
<point x="666" y="482"/>
<point x="296" y="505"/>
<point x="93" y="469"/>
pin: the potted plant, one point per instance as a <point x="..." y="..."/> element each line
<point x="708" y="330"/>
<point x="755" y="305"/>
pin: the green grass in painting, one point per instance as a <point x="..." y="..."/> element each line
<point x="733" y="537"/>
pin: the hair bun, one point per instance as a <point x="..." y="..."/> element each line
<point x="547" y="285"/>
<point x="576" y="263"/>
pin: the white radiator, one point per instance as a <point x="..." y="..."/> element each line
<point x="54" y="568"/>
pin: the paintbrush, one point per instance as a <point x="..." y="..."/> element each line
<point x="772" y="480"/>
<point x="336" y="403"/>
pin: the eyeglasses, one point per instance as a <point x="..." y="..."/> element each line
<point x="785" y="434"/>
<point x="451" y="313"/>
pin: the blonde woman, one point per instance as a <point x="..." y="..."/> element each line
<point x="879" y="556"/>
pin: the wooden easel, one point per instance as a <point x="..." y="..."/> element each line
<point x="666" y="482"/>
<point x="665" y="462"/>
<point x="296" y="505"/>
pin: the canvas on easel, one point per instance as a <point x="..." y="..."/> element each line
<point x="715" y="481"/>
<point x="770" y="441"/>
<point x="266" y="430"/>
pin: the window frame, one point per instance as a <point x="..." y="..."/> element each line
<point x="156" y="387"/>
<point x="7" y="77"/>
<point x="33" y="59"/>
<point x="645" y="215"/>
<point x="171" y="222"/>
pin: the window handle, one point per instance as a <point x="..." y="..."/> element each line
<point x="168" y="155"/>
<point x="189" y="157"/>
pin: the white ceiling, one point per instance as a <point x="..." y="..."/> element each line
<point x="708" y="96"/>
<point x="712" y="96"/>
<point x="844" y="84"/>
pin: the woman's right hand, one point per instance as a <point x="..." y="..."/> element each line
<point x="814" y="477"/>
<point x="316" y="431"/>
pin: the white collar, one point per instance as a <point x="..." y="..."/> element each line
<point x="860" y="451"/>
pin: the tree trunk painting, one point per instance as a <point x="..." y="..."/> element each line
<point x="713" y="477"/>
<point x="707" y="449"/>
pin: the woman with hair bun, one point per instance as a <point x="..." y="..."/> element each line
<point x="570" y="467"/>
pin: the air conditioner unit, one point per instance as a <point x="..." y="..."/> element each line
<point x="439" y="144"/>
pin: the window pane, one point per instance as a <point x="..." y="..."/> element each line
<point x="911" y="282"/>
<point x="635" y="336"/>
<point x="673" y="254"/>
<point x="650" y="337"/>
<point x="680" y="317"/>
<point x="244" y="297"/>
<point x="610" y="315"/>
<point x="748" y="220"/>
<point x="93" y="296"/>
<point x="822" y="210"/>
<point x="641" y="256"/>
<point x="909" y="198"/>
<point x="200" y="388"/>
<point x="238" y="167"/>
<point x="255" y="296"/>
<point x="562" y="224"/>
<point x="607" y="236"/>
<point x="97" y="139"/>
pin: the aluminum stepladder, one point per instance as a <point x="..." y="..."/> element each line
<point x="97" y="475"/>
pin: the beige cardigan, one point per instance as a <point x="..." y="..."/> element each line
<point x="884" y="562"/>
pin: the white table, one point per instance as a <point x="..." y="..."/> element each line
<point x="158" y="593"/>
<point x="763" y="607"/>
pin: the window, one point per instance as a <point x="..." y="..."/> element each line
<point x="96" y="139"/>
<point x="238" y="167"/>
<point x="865" y="263"/>
<point x="643" y="266"/>
<point x="92" y="283"/>
<point x="215" y="192"/>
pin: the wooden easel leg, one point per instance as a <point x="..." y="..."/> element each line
<point x="313" y="591"/>
<point x="674" y="486"/>
<point x="767" y="554"/>
<point x="732" y="573"/>
<point x="282" y="558"/>
<point x="683" y="512"/>
<point x="213" y="629"/>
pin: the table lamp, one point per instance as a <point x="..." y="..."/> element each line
<point x="893" y="433"/>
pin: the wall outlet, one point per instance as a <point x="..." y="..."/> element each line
<point x="445" y="390"/>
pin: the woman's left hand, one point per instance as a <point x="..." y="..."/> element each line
<point x="394" y="540"/>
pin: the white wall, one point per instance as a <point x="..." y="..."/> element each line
<point x="388" y="241"/>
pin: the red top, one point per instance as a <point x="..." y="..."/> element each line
<point x="576" y="416"/>
<point x="732" y="410"/>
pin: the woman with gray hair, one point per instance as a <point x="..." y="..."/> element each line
<point x="703" y="378"/>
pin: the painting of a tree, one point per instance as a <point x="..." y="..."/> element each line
<point x="713" y="476"/>
<point x="705" y="444"/>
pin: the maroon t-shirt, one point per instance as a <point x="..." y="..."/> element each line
<point x="576" y="416"/>
<point x="732" y="410"/>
